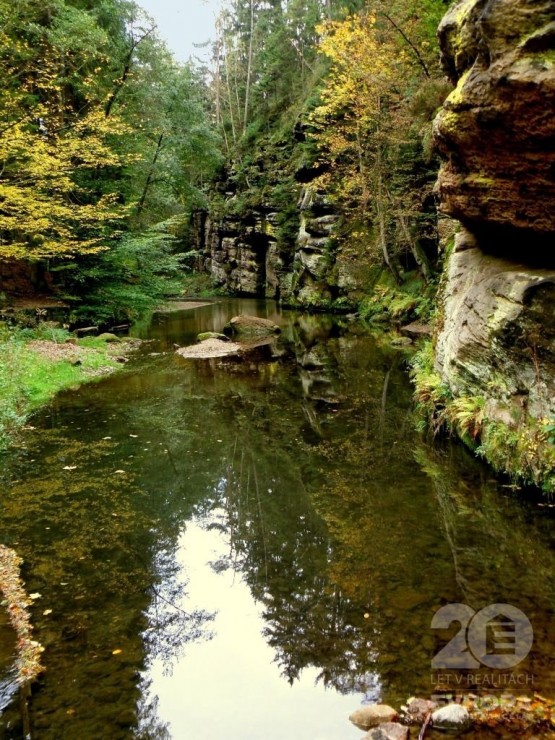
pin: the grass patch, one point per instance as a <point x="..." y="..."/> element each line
<point x="30" y="378"/>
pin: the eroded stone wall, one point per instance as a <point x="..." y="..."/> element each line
<point x="496" y="133"/>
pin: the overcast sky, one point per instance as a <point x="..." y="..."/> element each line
<point x="182" y="23"/>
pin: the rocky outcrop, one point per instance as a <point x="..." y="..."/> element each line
<point x="498" y="337"/>
<point x="241" y="254"/>
<point x="247" y="255"/>
<point x="496" y="133"/>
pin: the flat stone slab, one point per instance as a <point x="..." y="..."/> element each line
<point x="172" y="306"/>
<point x="210" y="348"/>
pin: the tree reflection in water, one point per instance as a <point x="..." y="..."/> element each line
<point x="306" y="466"/>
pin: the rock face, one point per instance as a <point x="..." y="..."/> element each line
<point x="240" y="253"/>
<point x="496" y="133"/>
<point x="497" y="128"/>
<point x="246" y="255"/>
<point x="498" y="338"/>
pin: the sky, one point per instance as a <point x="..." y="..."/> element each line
<point x="182" y="23"/>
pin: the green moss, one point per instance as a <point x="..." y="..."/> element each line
<point x="390" y="303"/>
<point x="456" y="96"/>
<point x="525" y="451"/>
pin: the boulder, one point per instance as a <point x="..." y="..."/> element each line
<point x="388" y="731"/>
<point x="418" y="710"/>
<point x="251" y="326"/>
<point x="372" y="715"/>
<point x="452" y="718"/>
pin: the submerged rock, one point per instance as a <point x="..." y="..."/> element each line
<point x="372" y="715"/>
<point x="251" y="326"/>
<point x="452" y="718"/>
<point x="261" y="349"/>
<point x="203" y="336"/>
<point x="388" y="731"/>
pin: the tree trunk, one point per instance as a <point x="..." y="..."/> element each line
<point x="381" y="218"/>
<point x="417" y="251"/>
<point x="249" y="69"/>
<point x="148" y="183"/>
<point x="127" y="65"/>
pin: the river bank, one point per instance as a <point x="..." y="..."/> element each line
<point x="36" y="364"/>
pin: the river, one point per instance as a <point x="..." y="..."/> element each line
<point x="253" y="549"/>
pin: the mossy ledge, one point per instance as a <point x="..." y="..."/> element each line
<point x="524" y="450"/>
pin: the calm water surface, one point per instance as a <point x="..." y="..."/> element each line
<point x="253" y="549"/>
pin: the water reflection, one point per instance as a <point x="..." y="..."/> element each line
<point x="289" y="497"/>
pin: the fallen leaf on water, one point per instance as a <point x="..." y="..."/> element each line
<point x="117" y="652"/>
<point x="134" y="436"/>
<point x="120" y="472"/>
<point x="35" y="596"/>
<point x="69" y="467"/>
<point x="46" y="612"/>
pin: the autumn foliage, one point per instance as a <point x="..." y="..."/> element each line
<point x="28" y="661"/>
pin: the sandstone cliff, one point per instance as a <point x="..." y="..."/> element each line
<point x="496" y="134"/>
<point x="245" y="254"/>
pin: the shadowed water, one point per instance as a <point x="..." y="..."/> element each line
<point x="252" y="549"/>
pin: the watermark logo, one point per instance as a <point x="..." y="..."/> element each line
<point x="500" y="636"/>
